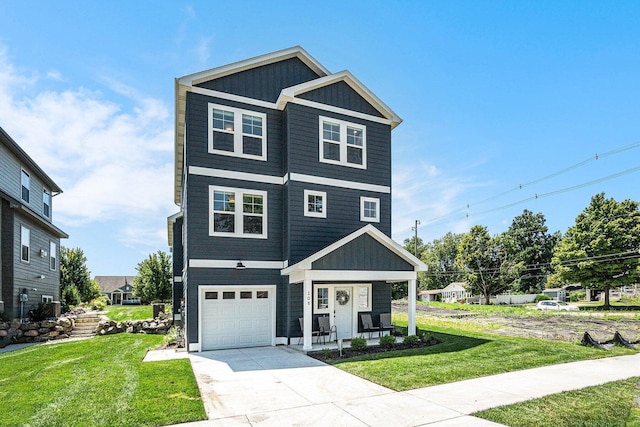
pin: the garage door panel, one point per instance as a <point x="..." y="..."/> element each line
<point x="237" y="322"/>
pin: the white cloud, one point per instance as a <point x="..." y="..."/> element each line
<point x="111" y="163"/>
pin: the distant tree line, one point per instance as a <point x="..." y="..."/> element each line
<point x="602" y="250"/>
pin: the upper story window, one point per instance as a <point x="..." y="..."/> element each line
<point x="238" y="133"/>
<point x="25" y="244"/>
<point x="343" y="143"/>
<point x="237" y="212"/>
<point x="25" y="180"/>
<point x="315" y="203"/>
<point x="369" y="209"/>
<point x="53" y="256"/>
<point x="46" y="203"/>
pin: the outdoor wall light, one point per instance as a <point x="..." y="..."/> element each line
<point x="240" y="266"/>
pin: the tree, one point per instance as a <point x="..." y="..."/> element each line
<point x="440" y="256"/>
<point x="153" y="281"/>
<point x="529" y="244"/>
<point x="485" y="264"/>
<point x="74" y="271"/>
<point x="602" y="249"/>
<point x="410" y="246"/>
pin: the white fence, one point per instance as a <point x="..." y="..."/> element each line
<point x="513" y="299"/>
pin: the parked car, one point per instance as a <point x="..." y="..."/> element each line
<point x="556" y="305"/>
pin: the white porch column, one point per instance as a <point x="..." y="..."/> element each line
<point x="411" y="330"/>
<point x="307" y="295"/>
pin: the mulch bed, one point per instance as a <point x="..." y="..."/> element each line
<point x="329" y="356"/>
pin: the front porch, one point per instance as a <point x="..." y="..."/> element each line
<point x="330" y="345"/>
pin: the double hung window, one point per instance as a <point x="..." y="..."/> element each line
<point x="237" y="212"/>
<point x="315" y="203"/>
<point x="343" y="143"/>
<point x="369" y="209"/>
<point x="25" y="244"/>
<point x="236" y="132"/>
<point x="53" y="256"/>
<point x="46" y="203"/>
<point x="25" y="180"/>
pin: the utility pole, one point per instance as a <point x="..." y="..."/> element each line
<point x="415" y="239"/>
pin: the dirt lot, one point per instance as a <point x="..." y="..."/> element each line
<point x="550" y="326"/>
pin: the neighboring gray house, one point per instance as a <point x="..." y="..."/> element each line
<point x="116" y="288"/>
<point x="283" y="179"/>
<point x="29" y="242"/>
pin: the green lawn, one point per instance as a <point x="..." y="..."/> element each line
<point x="464" y="353"/>
<point x="96" y="382"/>
<point x="119" y="313"/>
<point x="607" y="405"/>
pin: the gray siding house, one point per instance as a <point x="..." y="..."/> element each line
<point x="29" y="242"/>
<point x="283" y="179"/>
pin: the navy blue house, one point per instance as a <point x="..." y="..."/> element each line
<point x="283" y="179"/>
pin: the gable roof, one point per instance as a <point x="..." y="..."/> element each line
<point x="379" y="236"/>
<point x="325" y="78"/>
<point x="109" y="284"/>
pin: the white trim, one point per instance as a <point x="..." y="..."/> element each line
<point x="24" y="229"/>
<point x="338" y="110"/>
<point x="225" y="263"/>
<point x="272" y="296"/>
<point x="297" y="177"/>
<point x="298" y="276"/>
<point x="238" y="213"/>
<point x="342" y="142"/>
<point x="241" y="176"/>
<point x="372" y="231"/>
<point x="332" y="296"/>
<point x="364" y="200"/>
<point x="352" y="185"/>
<point x="231" y="97"/>
<point x="237" y="132"/>
<point x="23" y="172"/>
<point x="177" y="279"/>
<point x="194" y="346"/>
<point x="53" y="254"/>
<point x="46" y="298"/>
<point x="307" y="212"/>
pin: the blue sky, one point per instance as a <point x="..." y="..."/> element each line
<point x="494" y="95"/>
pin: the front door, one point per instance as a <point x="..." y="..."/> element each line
<point x="343" y="312"/>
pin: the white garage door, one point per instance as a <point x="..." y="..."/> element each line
<point x="236" y="317"/>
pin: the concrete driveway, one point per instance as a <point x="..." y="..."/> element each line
<point x="278" y="386"/>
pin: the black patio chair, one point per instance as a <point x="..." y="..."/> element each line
<point x="367" y="324"/>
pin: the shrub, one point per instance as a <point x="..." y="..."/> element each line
<point x="388" y="341"/>
<point x="39" y="313"/>
<point x="411" y="340"/>
<point x="577" y="296"/>
<point x="171" y="337"/>
<point x="541" y="297"/>
<point x="70" y="297"/>
<point x="358" y="344"/>
<point x="99" y="303"/>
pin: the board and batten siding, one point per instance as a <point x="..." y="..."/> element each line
<point x="265" y="82"/>
<point x="341" y="95"/>
<point x="303" y="147"/>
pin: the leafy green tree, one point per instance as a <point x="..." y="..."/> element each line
<point x="440" y="256"/>
<point x="410" y="246"/>
<point x="529" y="244"/>
<point x="70" y="297"/>
<point x="153" y="281"/>
<point x="485" y="263"/>
<point x="74" y="271"/>
<point x="602" y="249"/>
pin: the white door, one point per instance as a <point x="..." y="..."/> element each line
<point x="343" y="309"/>
<point x="236" y="317"/>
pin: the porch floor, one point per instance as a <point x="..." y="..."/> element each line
<point x="331" y="345"/>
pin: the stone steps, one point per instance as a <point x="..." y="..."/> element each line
<point x="85" y="325"/>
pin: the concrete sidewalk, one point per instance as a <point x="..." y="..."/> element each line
<point x="277" y="386"/>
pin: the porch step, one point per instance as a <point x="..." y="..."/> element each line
<point x="85" y="325"/>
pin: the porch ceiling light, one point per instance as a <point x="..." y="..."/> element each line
<point x="240" y="266"/>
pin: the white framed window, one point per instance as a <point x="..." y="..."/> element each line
<point x="236" y="212"/>
<point x="53" y="256"/>
<point x="324" y="297"/>
<point x="369" y="209"/>
<point x="25" y="244"/>
<point x="25" y="180"/>
<point x="47" y="298"/>
<point x="238" y="133"/>
<point x="46" y="203"/>
<point x="321" y="299"/>
<point x="315" y="203"/>
<point x="343" y="143"/>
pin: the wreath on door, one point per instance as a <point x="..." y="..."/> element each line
<point x="342" y="297"/>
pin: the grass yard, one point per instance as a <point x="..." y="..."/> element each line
<point x="96" y="382"/>
<point x="517" y="310"/>
<point x="119" y="313"/>
<point x="464" y="353"/>
<point x="608" y="405"/>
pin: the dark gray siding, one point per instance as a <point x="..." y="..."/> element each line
<point x="363" y="253"/>
<point x="197" y="145"/>
<point x="341" y="95"/>
<point x="308" y="235"/>
<point x="177" y="258"/>
<point x="6" y="257"/>
<point x="380" y="302"/>
<point x="265" y="82"/>
<point x="203" y="246"/>
<point x="27" y="275"/>
<point x="303" y="148"/>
